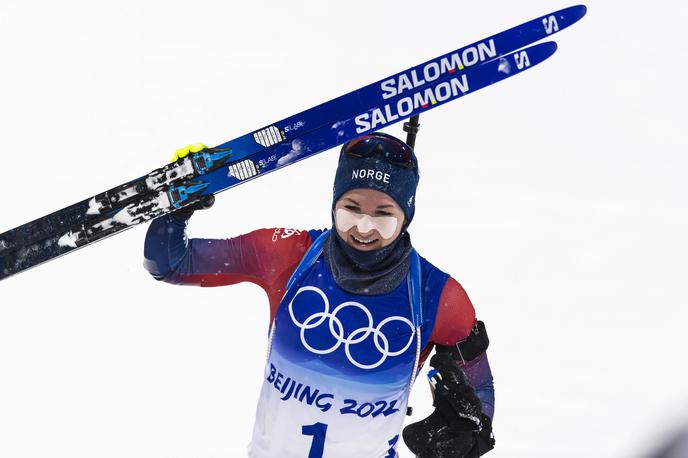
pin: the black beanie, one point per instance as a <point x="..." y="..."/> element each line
<point x="376" y="172"/>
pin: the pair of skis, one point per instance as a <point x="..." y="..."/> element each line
<point x="370" y="108"/>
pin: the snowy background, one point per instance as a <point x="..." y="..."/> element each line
<point x="557" y="198"/>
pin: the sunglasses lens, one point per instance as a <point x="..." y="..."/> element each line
<point x="399" y="154"/>
<point x="396" y="152"/>
<point x="361" y="147"/>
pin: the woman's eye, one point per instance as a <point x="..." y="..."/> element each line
<point x="383" y="214"/>
<point x="352" y="208"/>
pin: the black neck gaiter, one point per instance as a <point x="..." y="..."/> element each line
<point x="368" y="273"/>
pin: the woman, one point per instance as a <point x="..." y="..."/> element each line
<point x="354" y="313"/>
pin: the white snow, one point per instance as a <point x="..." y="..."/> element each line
<point x="296" y="151"/>
<point x="93" y="207"/>
<point x="504" y="66"/>
<point x="123" y="216"/>
<point x="68" y="239"/>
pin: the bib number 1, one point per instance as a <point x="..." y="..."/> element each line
<point x="318" y="431"/>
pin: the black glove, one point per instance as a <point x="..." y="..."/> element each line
<point x="203" y="203"/>
<point x="457" y="428"/>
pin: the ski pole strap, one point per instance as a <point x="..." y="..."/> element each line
<point x="414" y="289"/>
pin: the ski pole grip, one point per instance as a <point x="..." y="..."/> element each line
<point x="203" y="203"/>
<point x="206" y="202"/>
<point x="411" y="128"/>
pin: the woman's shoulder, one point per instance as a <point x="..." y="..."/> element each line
<point x="284" y="236"/>
<point x="455" y="314"/>
<point x="431" y="275"/>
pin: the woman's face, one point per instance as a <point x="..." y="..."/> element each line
<point x="368" y="219"/>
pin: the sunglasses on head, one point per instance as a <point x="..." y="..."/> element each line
<point x="395" y="151"/>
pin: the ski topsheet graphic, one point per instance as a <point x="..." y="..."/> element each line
<point x="285" y="142"/>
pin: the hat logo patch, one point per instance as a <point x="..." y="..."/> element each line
<point x="363" y="174"/>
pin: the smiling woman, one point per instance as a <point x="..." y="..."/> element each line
<point x="355" y="312"/>
<point x="368" y="219"/>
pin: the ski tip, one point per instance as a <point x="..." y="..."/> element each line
<point x="544" y="50"/>
<point x="575" y="12"/>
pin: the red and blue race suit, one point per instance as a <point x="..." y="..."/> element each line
<point x="341" y="366"/>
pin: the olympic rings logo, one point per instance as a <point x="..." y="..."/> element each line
<point x="337" y="330"/>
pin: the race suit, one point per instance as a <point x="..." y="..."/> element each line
<point x="341" y="365"/>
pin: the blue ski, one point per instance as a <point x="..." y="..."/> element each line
<point x="180" y="192"/>
<point x="293" y="127"/>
